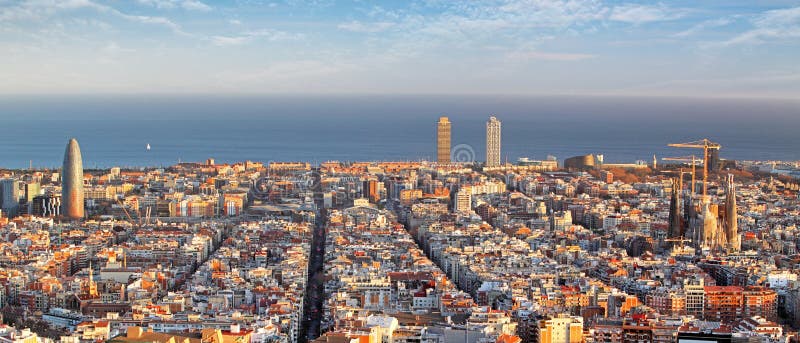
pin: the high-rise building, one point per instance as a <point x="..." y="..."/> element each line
<point x="443" y="140"/>
<point x="694" y="288"/>
<point x="371" y="190"/>
<point x="31" y="190"/>
<point x="72" y="181"/>
<point x="493" y="128"/>
<point x="9" y="196"/>
<point x="48" y="205"/>
<point x="713" y="159"/>
<point x="463" y="200"/>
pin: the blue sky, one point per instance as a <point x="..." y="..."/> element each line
<point x="584" y="47"/>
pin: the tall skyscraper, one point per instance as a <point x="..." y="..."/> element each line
<point x="72" y="181"/>
<point x="713" y="159"/>
<point x="443" y="140"/>
<point x="493" y="142"/>
<point x="9" y="196"/>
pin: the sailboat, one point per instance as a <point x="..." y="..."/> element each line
<point x="148" y="146"/>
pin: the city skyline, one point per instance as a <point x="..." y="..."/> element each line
<point x="730" y="49"/>
<point x="420" y="171"/>
<point x="471" y="246"/>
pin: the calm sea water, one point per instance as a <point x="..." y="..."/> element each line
<point x="114" y="130"/>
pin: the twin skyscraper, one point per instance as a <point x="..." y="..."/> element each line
<point x="493" y="141"/>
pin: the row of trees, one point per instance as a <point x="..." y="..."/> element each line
<point x="17" y="317"/>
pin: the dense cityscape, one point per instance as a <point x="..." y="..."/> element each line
<point x="414" y="171"/>
<point x="461" y="249"/>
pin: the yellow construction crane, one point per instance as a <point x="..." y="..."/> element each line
<point x="704" y="144"/>
<point x="127" y="214"/>
<point x="691" y="159"/>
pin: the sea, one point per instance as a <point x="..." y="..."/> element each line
<point x="114" y="130"/>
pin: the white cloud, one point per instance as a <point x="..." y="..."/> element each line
<point x="227" y="40"/>
<point x="250" y="36"/>
<point x="705" y="25"/>
<point x="40" y="11"/>
<point x="549" y="56"/>
<point x="195" y="5"/>
<point x="115" y="48"/>
<point x="92" y="23"/>
<point x="771" y="26"/>
<point x="781" y="17"/>
<point x="357" y="26"/>
<point x="162" y="4"/>
<point x="420" y="45"/>
<point x="143" y="19"/>
<point x="438" y="25"/>
<point x="641" y="14"/>
<point x="192" y="5"/>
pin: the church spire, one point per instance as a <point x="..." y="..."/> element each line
<point x="92" y="285"/>
<point x="675" y="217"/>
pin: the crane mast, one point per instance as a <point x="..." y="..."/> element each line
<point x="704" y="144"/>
<point x="693" y="160"/>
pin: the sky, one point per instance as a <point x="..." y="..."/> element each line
<point x="712" y="48"/>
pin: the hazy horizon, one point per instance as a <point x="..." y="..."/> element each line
<point x="171" y="106"/>
<point x="113" y="130"/>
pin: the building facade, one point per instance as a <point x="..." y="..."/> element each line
<point x="561" y="329"/>
<point x="72" y="182"/>
<point x="443" y="140"/>
<point x="493" y="129"/>
<point x="9" y="196"/>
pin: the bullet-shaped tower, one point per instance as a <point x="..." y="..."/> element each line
<point x="72" y="182"/>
